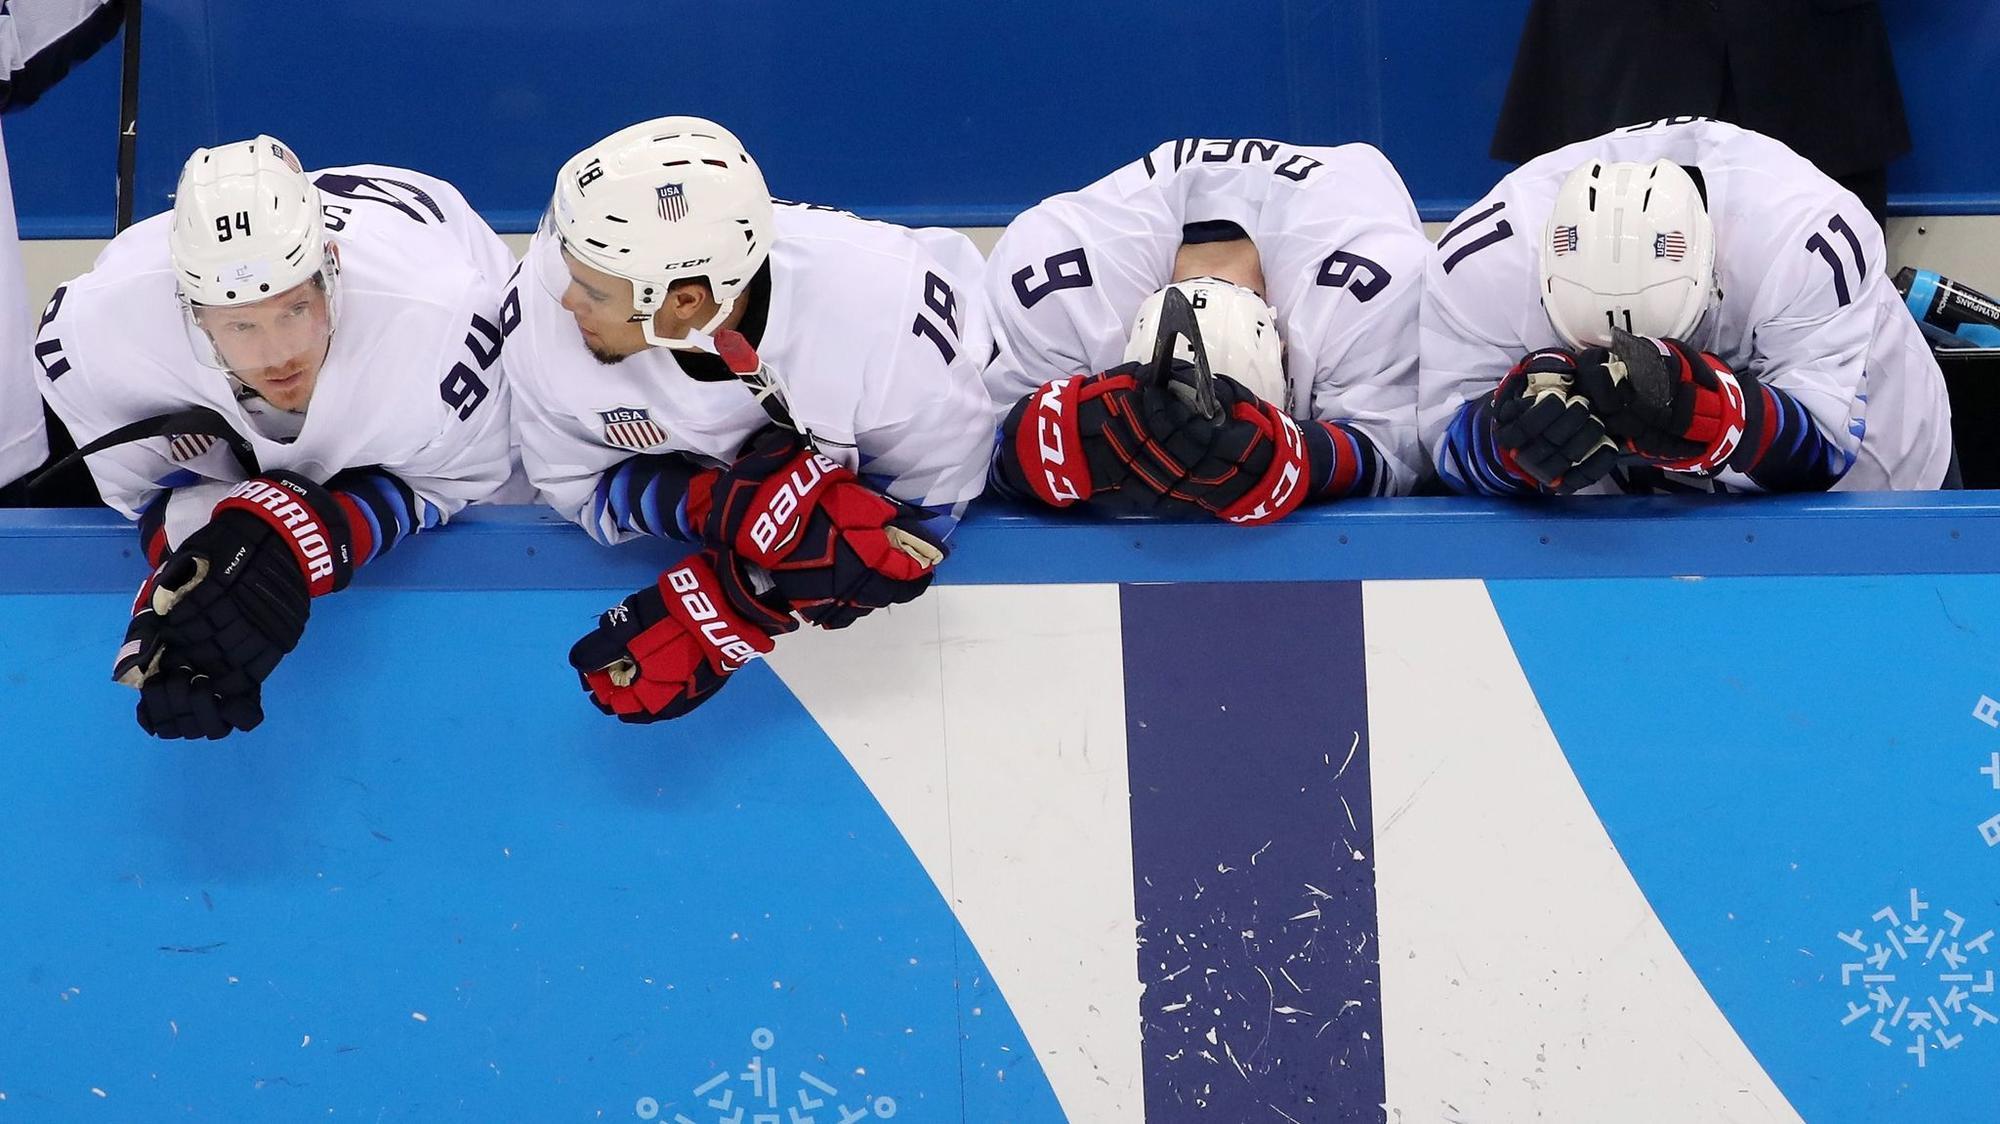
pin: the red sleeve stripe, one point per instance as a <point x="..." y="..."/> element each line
<point x="1346" y="461"/>
<point x="1773" y="415"/>
<point x="153" y="529"/>
<point x="359" y="526"/>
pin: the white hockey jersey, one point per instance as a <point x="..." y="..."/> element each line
<point x="1806" y="304"/>
<point x="410" y="382"/>
<point x="23" y="444"/>
<point x="30" y="36"/>
<point x="1342" y="253"/>
<point x="874" y="334"/>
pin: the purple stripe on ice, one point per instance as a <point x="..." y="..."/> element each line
<point x="1252" y="850"/>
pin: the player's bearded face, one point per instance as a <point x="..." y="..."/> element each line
<point x="274" y="346"/>
<point x="602" y="307"/>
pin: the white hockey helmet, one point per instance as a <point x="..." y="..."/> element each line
<point x="1238" y="330"/>
<point x="1629" y="245"/>
<point x="667" y="200"/>
<point x="247" y="226"/>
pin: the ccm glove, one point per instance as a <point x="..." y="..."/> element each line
<point x="1246" y="462"/>
<point x="1052" y="443"/>
<point x="1676" y="408"/>
<point x="1132" y="447"/>
<point x="666" y="649"/>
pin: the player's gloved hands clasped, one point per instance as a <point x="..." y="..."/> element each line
<point x="1238" y="458"/>
<point x="1547" y="433"/>
<point x="1129" y="442"/>
<point x="217" y="615"/>
<point x="666" y="649"/>
<point x="1677" y="408"/>
<point x="834" y="548"/>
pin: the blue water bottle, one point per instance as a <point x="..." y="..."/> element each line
<point x="1952" y="315"/>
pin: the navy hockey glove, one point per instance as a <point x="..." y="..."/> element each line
<point x="666" y="649"/>
<point x="835" y="548"/>
<point x="179" y="703"/>
<point x="1052" y="443"/>
<point x="233" y="600"/>
<point x="1545" y="429"/>
<point x="1678" y="409"/>
<point x="1233" y="455"/>
<point x="1175" y="439"/>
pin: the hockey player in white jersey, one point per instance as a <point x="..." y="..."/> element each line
<point x="1679" y="305"/>
<point x="1303" y="264"/>
<point x="280" y="379"/>
<point x="39" y="42"/>
<point x="793" y="389"/>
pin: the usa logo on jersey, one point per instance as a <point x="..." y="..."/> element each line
<point x="188" y="446"/>
<point x="631" y="427"/>
<point x="673" y="202"/>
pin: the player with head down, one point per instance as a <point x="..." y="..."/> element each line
<point x="1302" y="265"/>
<point x="1680" y="305"/>
<point x="792" y="389"/>
<point x="280" y="380"/>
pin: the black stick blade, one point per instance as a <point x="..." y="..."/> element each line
<point x="1652" y="383"/>
<point x="1177" y="321"/>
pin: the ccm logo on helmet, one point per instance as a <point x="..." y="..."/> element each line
<point x="720" y="634"/>
<point x="1049" y="440"/>
<point x="307" y="537"/>
<point x="777" y="524"/>
<point x="690" y="263"/>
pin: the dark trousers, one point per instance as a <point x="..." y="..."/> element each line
<point x="72" y="487"/>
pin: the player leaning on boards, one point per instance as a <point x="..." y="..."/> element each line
<point x="1764" y="347"/>
<point x="285" y="375"/>
<point x="1303" y="265"/>
<point x="791" y="388"/>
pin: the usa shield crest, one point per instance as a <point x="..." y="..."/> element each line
<point x="188" y="446"/>
<point x="673" y="202"/>
<point x="631" y="427"/>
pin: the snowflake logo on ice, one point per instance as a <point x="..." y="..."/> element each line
<point x="1919" y="982"/>
<point x="719" y="1094"/>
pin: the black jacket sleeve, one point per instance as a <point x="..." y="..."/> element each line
<point x="41" y="39"/>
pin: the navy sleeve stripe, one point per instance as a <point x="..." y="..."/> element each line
<point x="643" y="495"/>
<point x="153" y="528"/>
<point x="393" y="509"/>
<point x="1799" y="457"/>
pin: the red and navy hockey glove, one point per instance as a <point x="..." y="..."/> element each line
<point x="1052" y="444"/>
<point x="1128" y="442"/>
<point x="1246" y="462"/>
<point x="836" y="548"/>
<point x="666" y="649"/>
<point x="1545" y="430"/>
<point x="1676" y="408"/>
<point x="233" y="600"/>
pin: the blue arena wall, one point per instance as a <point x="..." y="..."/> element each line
<point x="949" y="114"/>
<point x="1424" y="809"/>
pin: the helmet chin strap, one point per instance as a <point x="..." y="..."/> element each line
<point x="697" y="339"/>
